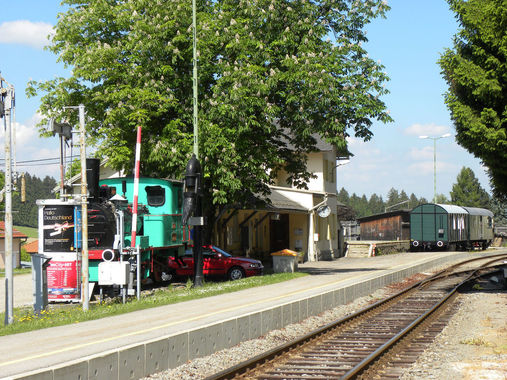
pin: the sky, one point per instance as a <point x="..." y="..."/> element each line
<point x="408" y="43"/>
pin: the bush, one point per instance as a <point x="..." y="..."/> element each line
<point x="25" y="256"/>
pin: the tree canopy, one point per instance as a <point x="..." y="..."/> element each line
<point x="476" y="72"/>
<point x="467" y="191"/>
<point x="363" y="206"/>
<point x="273" y="75"/>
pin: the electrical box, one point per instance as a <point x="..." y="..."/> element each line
<point x="114" y="272"/>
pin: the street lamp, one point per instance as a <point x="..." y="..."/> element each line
<point x="435" y="138"/>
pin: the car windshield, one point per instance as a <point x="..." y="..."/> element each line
<point x="189" y="251"/>
<point x="221" y="251"/>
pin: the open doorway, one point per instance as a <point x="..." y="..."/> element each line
<point x="279" y="233"/>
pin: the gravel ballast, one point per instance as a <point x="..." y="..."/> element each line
<point x="472" y="346"/>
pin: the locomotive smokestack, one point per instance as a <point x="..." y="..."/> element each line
<point x="93" y="176"/>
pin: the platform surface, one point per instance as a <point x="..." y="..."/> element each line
<point x="34" y="350"/>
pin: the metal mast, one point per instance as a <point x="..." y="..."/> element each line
<point x="194" y="79"/>
<point x="9" y="106"/>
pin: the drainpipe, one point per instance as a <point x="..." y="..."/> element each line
<point x="311" y="244"/>
<point x="311" y="252"/>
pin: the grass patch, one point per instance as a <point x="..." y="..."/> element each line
<point x="476" y="342"/>
<point x="58" y="315"/>
<point x="16" y="271"/>
<point x="31" y="232"/>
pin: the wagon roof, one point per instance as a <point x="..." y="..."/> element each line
<point x="478" y="211"/>
<point x="453" y="209"/>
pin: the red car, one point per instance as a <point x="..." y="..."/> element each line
<point x="216" y="262"/>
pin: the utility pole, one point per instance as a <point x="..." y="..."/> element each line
<point x="193" y="172"/>
<point x="8" y="105"/>
<point x="435" y="138"/>
<point x="85" y="296"/>
<point x="61" y="128"/>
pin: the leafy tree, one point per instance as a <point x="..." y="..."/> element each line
<point x="442" y="199"/>
<point x="414" y="202"/>
<point x="375" y="205"/>
<point x="343" y="196"/>
<point x="26" y="214"/>
<point x="499" y="209"/>
<point x="476" y="73"/>
<point x="467" y="191"/>
<point x="270" y="80"/>
<point x="359" y="205"/>
<point x="393" y="197"/>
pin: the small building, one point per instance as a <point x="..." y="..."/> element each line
<point x="18" y="238"/>
<point x="392" y="225"/>
<point x="32" y="246"/>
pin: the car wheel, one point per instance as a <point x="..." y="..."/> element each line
<point x="235" y="273"/>
<point x="167" y="276"/>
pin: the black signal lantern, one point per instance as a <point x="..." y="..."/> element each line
<point x="192" y="213"/>
<point x="193" y="190"/>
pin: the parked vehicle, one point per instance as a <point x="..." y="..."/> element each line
<point x="439" y="226"/>
<point x="216" y="263"/>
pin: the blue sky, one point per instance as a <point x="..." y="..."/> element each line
<point x="408" y="43"/>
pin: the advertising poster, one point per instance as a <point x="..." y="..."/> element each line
<point x="58" y="226"/>
<point x="63" y="280"/>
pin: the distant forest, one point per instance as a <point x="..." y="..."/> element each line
<point x="467" y="191"/>
<point x="361" y="206"/>
<point x="25" y="214"/>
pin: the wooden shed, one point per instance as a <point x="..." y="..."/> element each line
<point x="393" y="225"/>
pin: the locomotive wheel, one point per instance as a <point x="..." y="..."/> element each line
<point x="235" y="273"/>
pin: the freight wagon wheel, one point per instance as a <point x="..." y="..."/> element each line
<point x="235" y="273"/>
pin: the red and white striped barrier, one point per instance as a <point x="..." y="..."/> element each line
<point x="136" y="188"/>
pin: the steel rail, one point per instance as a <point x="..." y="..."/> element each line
<point x="395" y="339"/>
<point x="261" y="359"/>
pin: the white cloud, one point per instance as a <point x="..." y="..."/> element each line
<point x="24" y="32"/>
<point x="31" y="147"/>
<point x="425" y="153"/>
<point x="426" y="130"/>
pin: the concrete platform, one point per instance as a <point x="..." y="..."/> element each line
<point x="141" y="343"/>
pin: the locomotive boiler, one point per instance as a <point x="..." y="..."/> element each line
<point x="159" y="233"/>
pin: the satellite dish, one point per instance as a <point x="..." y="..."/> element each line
<point x="323" y="211"/>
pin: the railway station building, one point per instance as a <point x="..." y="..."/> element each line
<point x="302" y="220"/>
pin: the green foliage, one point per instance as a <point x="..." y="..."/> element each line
<point x="442" y="199"/>
<point x="376" y="205"/>
<point x="499" y="208"/>
<point x="24" y="255"/>
<point x="26" y="214"/>
<point x="31" y="232"/>
<point x="270" y="80"/>
<point x="476" y="72"/>
<point x="467" y="191"/>
<point x="25" y="320"/>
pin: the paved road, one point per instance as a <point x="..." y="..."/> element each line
<point x="23" y="291"/>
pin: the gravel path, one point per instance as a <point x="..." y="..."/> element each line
<point x="23" y="287"/>
<point x="472" y="346"/>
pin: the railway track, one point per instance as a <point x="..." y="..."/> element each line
<point x="380" y="340"/>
